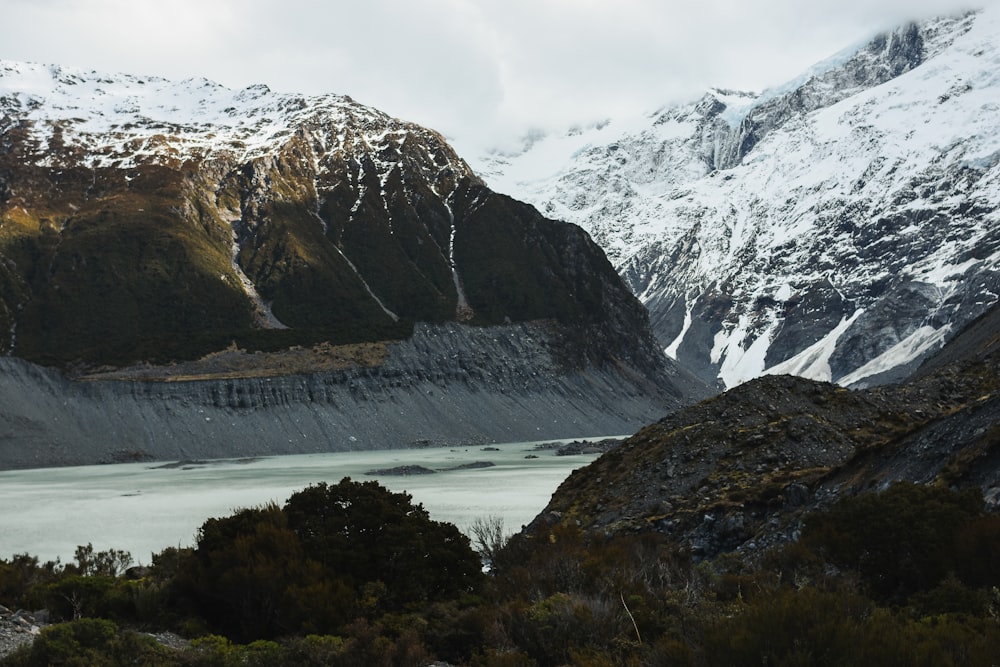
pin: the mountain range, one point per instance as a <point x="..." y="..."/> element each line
<point x="840" y="227"/>
<point x="827" y="251"/>
<point x="218" y="267"/>
<point x="139" y="214"/>
<point x="192" y="272"/>
<point x="167" y="249"/>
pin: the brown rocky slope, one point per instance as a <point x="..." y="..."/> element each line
<point x="737" y="472"/>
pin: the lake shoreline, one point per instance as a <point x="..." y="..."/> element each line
<point x="446" y="386"/>
<point x="144" y="508"/>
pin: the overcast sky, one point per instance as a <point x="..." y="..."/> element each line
<point x="479" y="71"/>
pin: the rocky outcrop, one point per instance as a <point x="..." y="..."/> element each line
<point x="18" y="628"/>
<point x="738" y="472"/>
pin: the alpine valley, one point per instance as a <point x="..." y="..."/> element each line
<point x="840" y="227"/>
<point x="191" y="271"/>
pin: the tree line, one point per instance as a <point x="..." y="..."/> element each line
<point x="353" y="574"/>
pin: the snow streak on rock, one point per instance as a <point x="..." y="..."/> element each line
<point x="463" y="311"/>
<point x="265" y="318"/>
<point x="84" y="118"/>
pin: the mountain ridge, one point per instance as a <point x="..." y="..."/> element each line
<point x="207" y="271"/>
<point x="838" y="227"/>
<point x="238" y="211"/>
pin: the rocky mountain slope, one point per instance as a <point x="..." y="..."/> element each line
<point x="738" y="471"/>
<point x="447" y="384"/>
<point x="142" y="217"/>
<point x="150" y="222"/>
<point x="840" y="227"/>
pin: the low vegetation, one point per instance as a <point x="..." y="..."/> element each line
<point x="352" y="574"/>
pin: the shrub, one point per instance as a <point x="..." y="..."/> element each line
<point x="22" y="576"/>
<point x="900" y="541"/>
<point x="250" y="578"/>
<point x="331" y="554"/>
<point x="791" y="628"/>
<point x="110" y="563"/>
<point x="367" y="533"/>
<point x="89" y="642"/>
<point x="977" y="552"/>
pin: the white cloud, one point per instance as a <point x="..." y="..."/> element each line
<point x="478" y="70"/>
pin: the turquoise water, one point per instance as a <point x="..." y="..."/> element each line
<point x="145" y="507"/>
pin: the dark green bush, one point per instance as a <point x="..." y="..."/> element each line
<point x="368" y="534"/>
<point x="331" y="554"/>
<point x="90" y="642"/>
<point x="250" y="578"/>
<point x="22" y="576"/>
<point x="901" y="541"/>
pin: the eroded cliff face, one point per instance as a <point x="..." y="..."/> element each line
<point x="447" y="385"/>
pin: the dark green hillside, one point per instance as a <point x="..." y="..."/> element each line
<point x="517" y="265"/>
<point x="400" y="241"/>
<point x="114" y="273"/>
<point x="113" y="266"/>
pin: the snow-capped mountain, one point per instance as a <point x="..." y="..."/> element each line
<point x="244" y="272"/>
<point x="137" y="211"/>
<point x="841" y="226"/>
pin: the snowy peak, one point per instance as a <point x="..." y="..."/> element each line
<point x="118" y="121"/>
<point x="841" y="226"/>
<point x="848" y="73"/>
<point x="148" y="220"/>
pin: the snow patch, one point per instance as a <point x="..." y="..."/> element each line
<point x="671" y="350"/>
<point x="922" y="340"/>
<point x="739" y="363"/>
<point x="814" y="361"/>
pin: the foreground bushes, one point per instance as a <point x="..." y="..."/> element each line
<point x="908" y="539"/>
<point x="352" y="574"/>
<point x="330" y="555"/>
<point x="90" y="642"/>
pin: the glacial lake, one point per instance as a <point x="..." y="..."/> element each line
<point x="145" y="507"/>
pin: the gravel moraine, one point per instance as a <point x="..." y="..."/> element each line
<point x="12" y="637"/>
<point x="448" y="385"/>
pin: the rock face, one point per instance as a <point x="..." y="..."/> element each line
<point x="447" y="385"/>
<point x="146" y="223"/>
<point x="147" y="220"/>
<point x="737" y="472"/>
<point x="840" y="227"/>
<point x="17" y="629"/>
